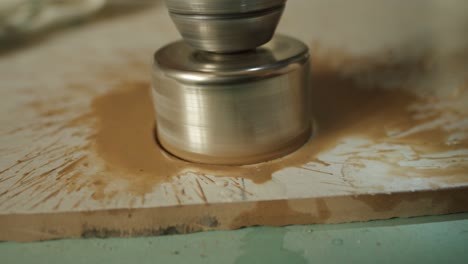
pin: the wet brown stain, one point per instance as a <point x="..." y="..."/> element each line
<point x="383" y="202"/>
<point x="341" y="108"/>
<point x="126" y="142"/>
<point x="280" y="213"/>
<point x="124" y="138"/>
<point x="451" y="200"/>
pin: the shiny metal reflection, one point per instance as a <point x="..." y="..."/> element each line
<point x="232" y="109"/>
<point x="217" y="7"/>
<point x="228" y="33"/>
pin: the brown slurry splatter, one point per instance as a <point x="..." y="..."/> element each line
<point x="340" y="108"/>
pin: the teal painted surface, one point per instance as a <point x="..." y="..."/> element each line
<point x="267" y="245"/>
<point x="442" y="239"/>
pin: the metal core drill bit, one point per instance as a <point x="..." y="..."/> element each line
<point x="223" y="96"/>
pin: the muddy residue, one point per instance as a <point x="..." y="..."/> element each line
<point x="126" y="121"/>
<point x="125" y="136"/>
<point x="341" y="107"/>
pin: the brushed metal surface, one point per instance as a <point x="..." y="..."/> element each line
<point x="228" y="33"/>
<point x="232" y="109"/>
<point x="212" y="7"/>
